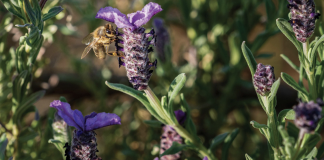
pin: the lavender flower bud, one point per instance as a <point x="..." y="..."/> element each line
<point x="163" y="38"/>
<point x="303" y="18"/>
<point x="60" y="129"/>
<point x="137" y="48"/>
<point x="169" y="136"/>
<point x="263" y="79"/>
<point x="84" y="146"/>
<point x="307" y="115"/>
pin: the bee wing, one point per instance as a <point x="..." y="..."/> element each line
<point x="88" y="48"/>
<point x="88" y="39"/>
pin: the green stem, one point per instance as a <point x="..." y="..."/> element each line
<point x="310" y="75"/>
<point x="180" y="130"/>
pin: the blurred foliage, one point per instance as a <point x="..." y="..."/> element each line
<point x="212" y="61"/>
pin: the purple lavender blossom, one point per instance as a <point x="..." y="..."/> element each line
<point x="205" y="158"/>
<point x="163" y="39"/>
<point x="136" y="42"/>
<point x="263" y="79"/>
<point x="169" y="136"/>
<point x="307" y="115"/>
<point x="84" y="143"/>
<point x="303" y="18"/>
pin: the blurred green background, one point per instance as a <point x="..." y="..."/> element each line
<point x="205" y="39"/>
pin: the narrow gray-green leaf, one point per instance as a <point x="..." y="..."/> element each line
<point x="30" y="12"/>
<point x="228" y="142"/>
<point x="286" y="114"/>
<point x="52" y="12"/>
<point x="249" y="58"/>
<point x="218" y="140"/>
<point x="292" y="83"/>
<point x="174" y="90"/>
<point x="264" y="55"/>
<point x="319" y="126"/>
<point x="274" y="89"/>
<point x="292" y="65"/>
<point x="286" y="29"/>
<point x="175" y="148"/>
<point x="138" y="95"/>
<point x="11" y="8"/>
<point x="314" y="49"/>
<point x="258" y="126"/>
<point x="312" y="154"/>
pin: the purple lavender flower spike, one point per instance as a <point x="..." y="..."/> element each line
<point x="84" y="143"/>
<point x="205" y="158"/>
<point x="181" y="116"/>
<point x="169" y="136"/>
<point x="263" y="79"/>
<point x="136" y="42"/>
<point x="303" y="18"/>
<point x="307" y="115"/>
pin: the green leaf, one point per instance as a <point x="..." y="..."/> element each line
<point x="264" y="129"/>
<point x="286" y="114"/>
<point x="11" y="8"/>
<point x="30" y="12"/>
<point x="175" y="148"/>
<point x="292" y="130"/>
<point x="52" y="12"/>
<point x="233" y="43"/>
<point x="249" y="58"/>
<point x="287" y="30"/>
<point x="174" y="90"/>
<point x="274" y="89"/>
<point x="309" y="142"/>
<point x="292" y="83"/>
<point x="319" y="78"/>
<point x="63" y="99"/>
<point x="38" y="11"/>
<point x="292" y="65"/>
<point x="218" y="140"/>
<point x="155" y="124"/>
<point x="312" y="154"/>
<point x="228" y="142"/>
<point x="247" y="157"/>
<point x="264" y="55"/>
<point x="138" y="95"/>
<point x="27" y="103"/>
<point x="314" y="49"/>
<point x="271" y="10"/>
<point x="3" y="145"/>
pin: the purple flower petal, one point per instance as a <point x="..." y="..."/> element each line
<point x="205" y="158"/>
<point x="101" y="120"/>
<point x="181" y="116"/>
<point x="115" y="16"/>
<point x="78" y="118"/>
<point x="64" y="110"/>
<point x="140" y="18"/>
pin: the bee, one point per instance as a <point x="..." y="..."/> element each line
<point x="99" y="40"/>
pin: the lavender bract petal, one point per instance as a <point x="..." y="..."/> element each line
<point x="140" y="18"/>
<point x="115" y="16"/>
<point x="101" y="120"/>
<point x="64" y="110"/>
<point x="78" y="118"/>
<point x="205" y="158"/>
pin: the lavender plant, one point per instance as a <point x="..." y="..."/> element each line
<point x="137" y="64"/>
<point x="30" y="14"/>
<point x="307" y="114"/>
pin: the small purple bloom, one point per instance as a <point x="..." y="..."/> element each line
<point x="169" y="136"/>
<point x="263" y="79"/>
<point x="88" y="123"/>
<point x="205" y="158"/>
<point x="308" y="115"/>
<point x="137" y="43"/>
<point x="181" y="116"/>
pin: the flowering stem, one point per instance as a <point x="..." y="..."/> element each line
<point x="299" y="142"/>
<point x="180" y="130"/>
<point x="310" y="75"/>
